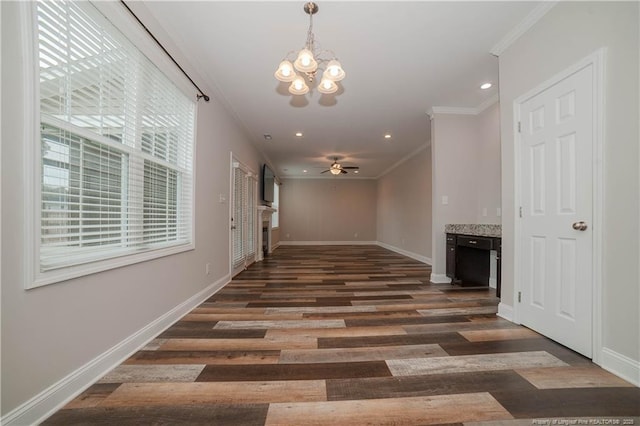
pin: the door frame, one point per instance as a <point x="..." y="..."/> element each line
<point x="597" y="61"/>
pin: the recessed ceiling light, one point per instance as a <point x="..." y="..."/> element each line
<point x="485" y="86"/>
<point x="356" y="171"/>
<point x="387" y="136"/>
<point x="267" y="137"/>
<point x="304" y="171"/>
<point x="299" y="134"/>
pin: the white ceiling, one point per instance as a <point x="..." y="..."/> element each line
<point x="401" y="59"/>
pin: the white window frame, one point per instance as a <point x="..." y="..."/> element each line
<point x="33" y="156"/>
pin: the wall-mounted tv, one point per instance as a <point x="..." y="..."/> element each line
<point x="267" y="181"/>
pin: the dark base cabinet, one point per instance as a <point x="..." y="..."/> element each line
<point x="469" y="260"/>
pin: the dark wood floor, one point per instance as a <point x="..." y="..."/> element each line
<point x="346" y="335"/>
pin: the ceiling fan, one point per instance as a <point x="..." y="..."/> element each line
<point x="336" y="168"/>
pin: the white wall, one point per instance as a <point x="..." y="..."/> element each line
<point x="566" y="34"/>
<point x="404" y="206"/>
<point x="466" y="170"/>
<point x="327" y="210"/>
<point x="52" y="331"/>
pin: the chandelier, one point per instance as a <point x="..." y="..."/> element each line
<point x="308" y="62"/>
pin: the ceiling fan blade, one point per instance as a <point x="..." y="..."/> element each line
<point x="325" y="171"/>
<point x="343" y="171"/>
<point x="351" y="167"/>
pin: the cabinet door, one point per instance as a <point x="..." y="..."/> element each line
<point x="451" y="256"/>
<point x="451" y="262"/>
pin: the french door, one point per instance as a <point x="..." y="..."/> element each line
<point x="243" y="218"/>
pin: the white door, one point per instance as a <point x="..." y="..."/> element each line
<point x="556" y="187"/>
<point x="243" y="219"/>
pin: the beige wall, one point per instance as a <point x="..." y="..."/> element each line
<point x="489" y="187"/>
<point x="565" y="35"/>
<point x="51" y="331"/>
<point x="327" y="210"/>
<point x="466" y="170"/>
<point x="404" y="207"/>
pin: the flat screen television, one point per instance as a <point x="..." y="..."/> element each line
<point x="267" y="181"/>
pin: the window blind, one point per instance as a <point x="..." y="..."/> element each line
<point x="116" y="142"/>
<point x="239" y="178"/>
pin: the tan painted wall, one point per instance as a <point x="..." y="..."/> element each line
<point x="404" y="206"/>
<point x="327" y="210"/>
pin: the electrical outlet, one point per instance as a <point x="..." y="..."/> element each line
<point x="222" y="199"/>
<point x="207" y="268"/>
<point x="484" y="212"/>
<point x="355" y="235"/>
<point x="445" y="200"/>
<point x="498" y="212"/>
<point x="288" y="235"/>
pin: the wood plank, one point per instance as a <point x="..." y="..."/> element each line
<point x="205" y="357"/>
<point x="391" y="411"/>
<point x="193" y="415"/>
<point x="471" y="363"/>
<point x="292" y="342"/>
<point x="437" y="384"/>
<point x="572" y="377"/>
<point x="395" y="340"/>
<point x="499" y="334"/>
<point x="153" y="394"/>
<point x="390" y="330"/>
<point x="153" y="373"/>
<point x="572" y="402"/>
<point x="262" y="325"/>
<point x="309" y="356"/>
<point x="294" y="371"/>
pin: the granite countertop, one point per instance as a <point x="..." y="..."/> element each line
<point x="480" y="230"/>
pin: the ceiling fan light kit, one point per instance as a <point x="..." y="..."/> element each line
<point x="308" y="62"/>
<point x="338" y="169"/>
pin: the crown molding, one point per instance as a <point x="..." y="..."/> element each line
<point x="452" y="110"/>
<point x="405" y="159"/>
<point x="522" y="27"/>
<point x="464" y="111"/>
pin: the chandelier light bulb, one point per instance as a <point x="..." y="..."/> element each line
<point x="327" y="86"/>
<point x="335" y="171"/>
<point x="305" y="62"/>
<point x="298" y="86"/>
<point x="334" y="71"/>
<point x="285" y="72"/>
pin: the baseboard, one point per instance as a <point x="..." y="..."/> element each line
<point x="410" y="254"/>
<point x="327" y="243"/>
<point x="620" y="365"/>
<point x="47" y="402"/>
<point x="505" y="311"/>
<point x="439" y="279"/>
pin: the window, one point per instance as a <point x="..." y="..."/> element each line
<point x="116" y="144"/>
<point x="274" y="204"/>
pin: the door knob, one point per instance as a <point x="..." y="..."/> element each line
<point x="579" y="226"/>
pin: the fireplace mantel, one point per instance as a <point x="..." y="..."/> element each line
<point x="264" y="221"/>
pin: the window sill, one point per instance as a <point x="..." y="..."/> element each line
<point x="67" y="273"/>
